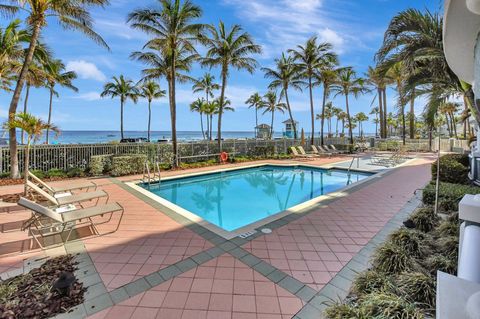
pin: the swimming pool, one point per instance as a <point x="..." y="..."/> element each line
<point x="236" y="198"/>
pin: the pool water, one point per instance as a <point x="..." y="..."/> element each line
<point x="234" y="199"/>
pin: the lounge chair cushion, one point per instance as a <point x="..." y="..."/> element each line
<point x="81" y="197"/>
<point x="72" y="186"/>
<point x="90" y="212"/>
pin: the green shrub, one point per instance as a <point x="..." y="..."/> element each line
<point x="392" y="259"/>
<point x="425" y="219"/>
<point x="453" y="169"/>
<point x="412" y="241"/>
<point x="449" y="195"/>
<point x="439" y="262"/>
<point x="55" y="172"/>
<point x="100" y="164"/>
<point x="39" y="173"/>
<point x="127" y="165"/>
<point x="342" y="311"/>
<point x="447" y="228"/>
<point x="385" y="305"/>
<point x="370" y="281"/>
<point x="5" y="175"/>
<point x="75" y="172"/>
<point x="448" y="246"/>
<point x="418" y="288"/>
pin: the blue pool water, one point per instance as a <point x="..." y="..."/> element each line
<point x="234" y="199"/>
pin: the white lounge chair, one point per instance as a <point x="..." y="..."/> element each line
<point x="334" y="149"/>
<point x="300" y="156"/>
<point x="320" y="151"/>
<point x="302" y="152"/>
<point x="81" y="185"/>
<point x="46" y="222"/>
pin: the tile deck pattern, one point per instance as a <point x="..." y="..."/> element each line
<point x="314" y="248"/>
<point x="223" y="287"/>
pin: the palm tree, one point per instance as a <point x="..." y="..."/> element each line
<point x="342" y="116"/>
<point x="348" y="83"/>
<point x="255" y="101"/>
<point x="360" y="118"/>
<point x="150" y="90"/>
<point x="72" y="15"/>
<point x="336" y="111"/>
<point x="284" y="76"/>
<point x="375" y="111"/>
<point x="379" y="80"/>
<point x="209" y="109"/>
<point x="326" y="76"/>
<point x="229" y="48"/>
<point x="174" y="33"/>
<point x="199" y="107"/>
<point x="397" y="74"/>
<point x="272" y="104"/>
<point x="34" y="128"/>
<point x="206" y="84"/>
<point x="56" y="74"/>
<point x="309" y="59"/>
<point x="123" y="88"/>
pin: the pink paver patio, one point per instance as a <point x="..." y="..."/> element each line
<point x="221" y="288"/>
<point x="314" y="248"/>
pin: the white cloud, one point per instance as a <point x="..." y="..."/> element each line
<point x="88" y="96"/>
<point x="119" y="28"/>
<point x="86" y="70"/>
<point x="328" y="35"/>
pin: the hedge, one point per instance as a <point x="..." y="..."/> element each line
<point x="453" y="169"/>
<point x="100" y="164"/>
<point x="449" y="195"/>
<point x="127" y="164"/>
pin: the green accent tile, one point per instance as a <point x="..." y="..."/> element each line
<point x="186" y="265"/>
<point x="227" y="246"/>
<point x="238" y="252"/>
<point x="136" y="287"/>
<point x="98" y="304"/>
<point x="333" y="293"/>
<point x="169" y="272"/>
<point x="154" y="279"/>
<point x="91" y="280"/>
<point x="201" y="258"/>
<point x="291" y="284"/>
<point x="217" y="240"/>
<point x="341" y="282"/>
<point x="215" y="252"/>
<point x="309" y="312"/>
<point x="118" y="295"/>
<point x="250" y="260"/>
<point x="306" y="293"/>
<point x="95" y="291"/>
<point x="264" y="268"/>
<point x="239" y="241"/>
<point x="276" y="276"/>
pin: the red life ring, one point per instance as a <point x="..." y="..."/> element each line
<point x="223" y="157"/>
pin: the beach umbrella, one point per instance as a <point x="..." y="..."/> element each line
<point x="303" y="138"/>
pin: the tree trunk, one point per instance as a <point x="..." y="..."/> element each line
<point x="271" y="127"/>
<point x="412" y="115"/>
<point x="380" y="111"/>
<point x="49" y="116"/>
<point x="14" y="172"/>
<point x="121" y="118"/>
<point x="149" y="118"/>
<point x="201" y="125"/>
<point x="290" y="114"/>
<point x="173" y="110"/>
<point x="256" y="120"/>
<point x="211" y="126"/>
<point x="404" y="124"/>
<point x="454" y="124"/>
<point x="27" y="164"/>
<point x="220" y="113"/>
<point x="323" y="114"/>
<point x="311" y="110"/>
<point x="350" y="131"/>
<point x="25" y="106"/>
<point x="336" y="129"/>
<point x="385" y="113"/>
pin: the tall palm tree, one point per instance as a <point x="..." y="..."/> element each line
<point x="34" y="128"/>
<point x="376" y="111"/>
<point x="397" y="73"/>
<point x="56" y="75"/>
<point x="348" y="84"/>
<point x="360" y="118"/>
<point x="123" y="88"/>
<point x="326" y="76"/>
<point x="342" y="116"/>
<point x="309" y="59"/>
<point x="151" y="90"/>
<point x="72" y="15"/>
<point x="336" y="111"/>
<point x="255" y="101"/>
<point x="284" y="76"/>
<point x="199" y="106"/>
<point x="379" y="80"/>
<point x="226" y="49"/>
<point x="174" y="31"/>
<point x="209" y="109"/>
<point x="206" y="84"/>
<point x="272" y="104"/>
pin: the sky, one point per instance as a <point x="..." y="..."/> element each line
<point x="354" y="27"/>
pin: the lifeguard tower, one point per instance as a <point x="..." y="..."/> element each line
<point x="289" y="128"/>
<point x="263" y="131"/>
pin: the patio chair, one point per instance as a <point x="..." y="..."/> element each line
<point x="334" y="149"/>
<point x="320" y="151"/>
<point x="300" y="156"/>
<point x="46" y="222"/>
<point x="79" y="198"/>
<point x="302" y="152"/>
<point x="84" y="185"/>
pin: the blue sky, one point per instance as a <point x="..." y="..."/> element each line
<point x="355" y="28"/>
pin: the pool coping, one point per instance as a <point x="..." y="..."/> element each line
<point x="253" y="227"/>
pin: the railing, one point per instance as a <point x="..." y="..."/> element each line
<point x="46" y="157"/>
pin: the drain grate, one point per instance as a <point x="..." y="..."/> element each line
<point x="247" y="234"/>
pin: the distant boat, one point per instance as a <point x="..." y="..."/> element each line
<point x="111" y="135"/>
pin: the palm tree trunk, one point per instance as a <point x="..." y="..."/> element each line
<point x="201" y="125"/>
<point x="336" y="128"/>
<point x="49" y="115"/>
<point x="256" y="120"/>
<point x="290" y="114"/>
<point x="454" y="124"/>
<point x="25" y="105"/>
<point x="412" y="115"/>
<point x="27" y="164"/>
<point x="380" y="111"/>
<point x="220" y="113"/>
<point x="349" y="120"/>
<point x="271" y="127"/>
<point x="323" y="114"/>
<point x="311" y="110"/>
<point x="385" y="113"/>
<point x="121" y="118"/>
<point x="173" y="110"/>
<point x="14" y="171"/>
<point x="211" y="126"/>
<point x="149" y="118"/>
